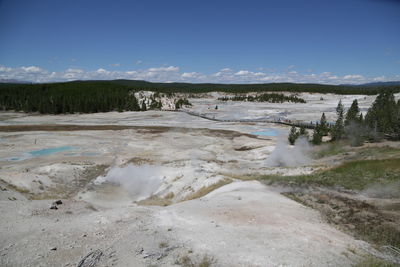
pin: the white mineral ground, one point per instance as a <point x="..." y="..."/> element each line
<point x="244" y="223"/>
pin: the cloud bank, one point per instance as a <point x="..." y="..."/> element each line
<point x="174" y="74"/>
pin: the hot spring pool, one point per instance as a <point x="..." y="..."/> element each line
<point x="49" y="151"/>
<point x="41" y="152"/>
<point x="266" y="132"/>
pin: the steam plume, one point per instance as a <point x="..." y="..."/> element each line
<point x="140" y="181"/>
<point x="289" y="156"/>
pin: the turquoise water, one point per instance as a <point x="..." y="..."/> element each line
<point x="38" y="153"/>
<point x="49" y="151"/>
<point x="266" y="132"/>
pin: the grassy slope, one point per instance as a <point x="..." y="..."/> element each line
<point x="355" y="175"/>
<point x="370" y="165"/>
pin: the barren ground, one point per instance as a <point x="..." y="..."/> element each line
<point x="240" y="223"/>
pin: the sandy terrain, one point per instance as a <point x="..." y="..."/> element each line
<point x="106" y="177"/>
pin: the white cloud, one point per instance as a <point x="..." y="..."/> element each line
<point x="352" y="77"/>
<point x="170" y="68"/>
<point x="242" y="72"/>
<point x="5" y="69"/>
<point x="379" y="79"/>
<point x="102" y="71"/>
<point x="32" y="69"/>
<point x="173" y="74"/>
<point x="189" y="74"/>
<point x="74" y="71"/>
<point x="115" y="65"/>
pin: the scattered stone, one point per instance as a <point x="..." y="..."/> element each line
<point x="91" y="259"/>
<point x="54" y="248"/>
<point x="167" y="249"/>
<point x="139" y="251"/>
<point x="55" y="204"/>
<point x="157" y="254"/>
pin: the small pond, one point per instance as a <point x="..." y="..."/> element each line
<point x="266" y="132"/>
<point x="49" y="151"/>
<point x="40" y="152"/>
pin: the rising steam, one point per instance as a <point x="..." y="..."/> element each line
<point x="290" y="156"/>
<point x="140" y="181"/>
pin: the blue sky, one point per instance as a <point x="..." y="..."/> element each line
<point x="339" y="41"/>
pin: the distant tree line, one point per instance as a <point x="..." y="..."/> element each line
<point x="267" y="97"/>
<point x="263" y="87"/>
<point x="137" y="85"/>
<point x="68" y="98"/>
<point x="118" y="95"/>
<point x="382" y="120"/>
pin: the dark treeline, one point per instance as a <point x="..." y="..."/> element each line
<point x="229" y="88"/>
<point x="266" y="87"/>
<point x="272" y="98"/>
<point x="103" y="96"/>
<point x="59" y="98"/>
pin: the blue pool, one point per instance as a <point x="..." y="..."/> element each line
<point x="40" y="152"/>
<point x="266" y="132"/>
<point x="49" y="151"/>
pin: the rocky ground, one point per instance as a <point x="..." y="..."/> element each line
<point x="195" y="211"/>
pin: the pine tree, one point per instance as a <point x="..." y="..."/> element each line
<point x="144" y="108"/>
<point x="323" y="125"/>
<point x="382" y="115"/>
<point x="293" y="135"/>
<point x="352" y="114"/>
<point x="338" y="129"/>
<point x="361" y="118"/>
<point x="303" y="132"/>
<point x="317" y="135"/>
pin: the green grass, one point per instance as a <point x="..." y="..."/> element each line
<point x="375" y="152"/>
<point x="186" y="261"/>
<point x="330" y="149"/>
<point x="356" y="175"/>
<point x="207" y="189"/>
<point x="378" y="152"/>
<point x="371" y="261"/>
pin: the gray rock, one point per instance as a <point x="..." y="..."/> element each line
<point x="91" y="259"/>
<point x="57" y="202"/>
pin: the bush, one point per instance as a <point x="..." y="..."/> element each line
<point x="293" y="135"/>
